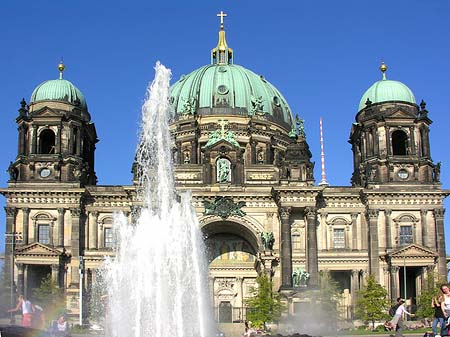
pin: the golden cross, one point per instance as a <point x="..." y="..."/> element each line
<point x="222" y="123"/>
<point x="222" y="15"/>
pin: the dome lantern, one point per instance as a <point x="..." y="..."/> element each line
<point x="222" y="54"/>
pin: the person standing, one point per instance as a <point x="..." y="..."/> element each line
<point x="445" y="307"/>
<point x="27" y="310"/>
<point x="397" y="321"/>
<point x="439" y="317"/>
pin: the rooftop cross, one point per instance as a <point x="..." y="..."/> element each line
<point x="222" y="124"/>
<point x="222" y="15"/>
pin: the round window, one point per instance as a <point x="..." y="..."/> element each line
<point x="403" y="174"/>
<point x="45" y="172"/>
<point x="222" y="69"/>
<point x="222" y="89"/>
<point x="276" y="101"/>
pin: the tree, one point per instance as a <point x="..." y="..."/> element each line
<point x="5" y="292"/>
<point x="372" y="302"/>
<point x="432" y="289"/>
<point x="328" y="297"/>
<point x="49" y="296"/>
<point x="265" y="304"/>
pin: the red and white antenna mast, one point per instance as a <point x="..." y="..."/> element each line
<point x="322" y="156"/>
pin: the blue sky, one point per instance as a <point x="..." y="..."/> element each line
<point x="322" y="55"/>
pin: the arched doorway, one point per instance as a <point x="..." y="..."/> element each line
<point x="232" y="252"/>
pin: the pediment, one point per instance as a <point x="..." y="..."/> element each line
<point x="38" y="249"/>
<point x="46" y="112"/>
<point x="413" y="250"/>
<point x="399" y="114"/>
<point x="222" y="144"/>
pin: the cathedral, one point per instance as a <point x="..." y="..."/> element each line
<point x="245" y="157"/>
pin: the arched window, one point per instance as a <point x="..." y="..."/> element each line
<point x="47" y="142"/>
<point x="109" y="239"/>
<point x="399" y="143"/>
<point x="223" y="168"/>
<point x="406" y="227"/>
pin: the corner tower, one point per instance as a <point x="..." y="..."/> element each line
<point x="56" y="136"/>
<point x="389" y="139"/>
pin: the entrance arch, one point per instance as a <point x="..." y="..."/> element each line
<point x="232" y="250"/>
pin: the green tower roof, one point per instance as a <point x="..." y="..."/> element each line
<point x="387" y="91"/>
<point x="59" y="90"/>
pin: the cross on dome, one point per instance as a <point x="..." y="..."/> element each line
<point x="222" y="15"/>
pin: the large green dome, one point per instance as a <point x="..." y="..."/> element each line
<point x="222" y="88"/>
<point x="216" y="87"/>
<point x="387" y="91"/>
<point x="58" y="90"/>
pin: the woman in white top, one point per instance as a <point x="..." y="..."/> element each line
<point x="397" y="321"/>
<point x="445" y="306"/>
<point x="27" y="310"/>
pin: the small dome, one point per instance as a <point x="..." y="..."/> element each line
<point x="58" y="90"/>
<point x="387" y="91"/>
<point x="229" y="88"/>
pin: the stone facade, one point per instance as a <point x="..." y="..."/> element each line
<point x="250" y="175"/>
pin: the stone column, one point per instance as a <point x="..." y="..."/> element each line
<point x="253" y="152"/>
<point x="423" y="222"/>
<point x="20" y="277"/>
<point x="101" y="240"/>
<point x="388" y="217"/>
<point x="388" y="141"/>
<point x="51" y="230"/>
<point x="58" y="145"/>
<point x="354" y="217"/>
<point x="61" y="227"/>
<point x="323" y="244"/>
<point x="55" y="273"/>
<point x="34" y="139"/>
<point x="374" y="263"/>
<point x="286" y="249"/>
<point x="75" y="245"/>
<point x="395" y="286"/>
<point x="440" y="242"/>
<point x="194" y="151"/>
<point x="10" y="229"/>
<point x="423" y="279"/>
<point x="412" y="141"/>
<point x="93" y="231"/>
<point x="376" y="145"/>
<point x="313" y="261"/>
<point x="364" y="232"/>
<point x="25" y="228"/>
<point x="355" y="282"/>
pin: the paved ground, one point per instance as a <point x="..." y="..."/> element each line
<point x="100" y="334"/>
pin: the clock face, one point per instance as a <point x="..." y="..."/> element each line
<point x="403" y="174"/>
<point x="45" y="172"/>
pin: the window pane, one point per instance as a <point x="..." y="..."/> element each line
<point x="109" y="240"/>
<point x="406" y="235"/>
<point x="44" y="234"/>
<point x="338" y="238"/>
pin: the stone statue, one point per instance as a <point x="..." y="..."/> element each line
<point x="223" y="170"/>
<point x="13" y="171"/>
<point x="300" y="278"/>
<point x="187" y="158"/>
<point x="257" y="105"/>
<point x="267" y="240"/>
<point x="300" y="126"/>
<point x="189" y="106"/>
<point x="437" y="172"/>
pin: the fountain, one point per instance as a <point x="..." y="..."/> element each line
<point x="157" y="283"/>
